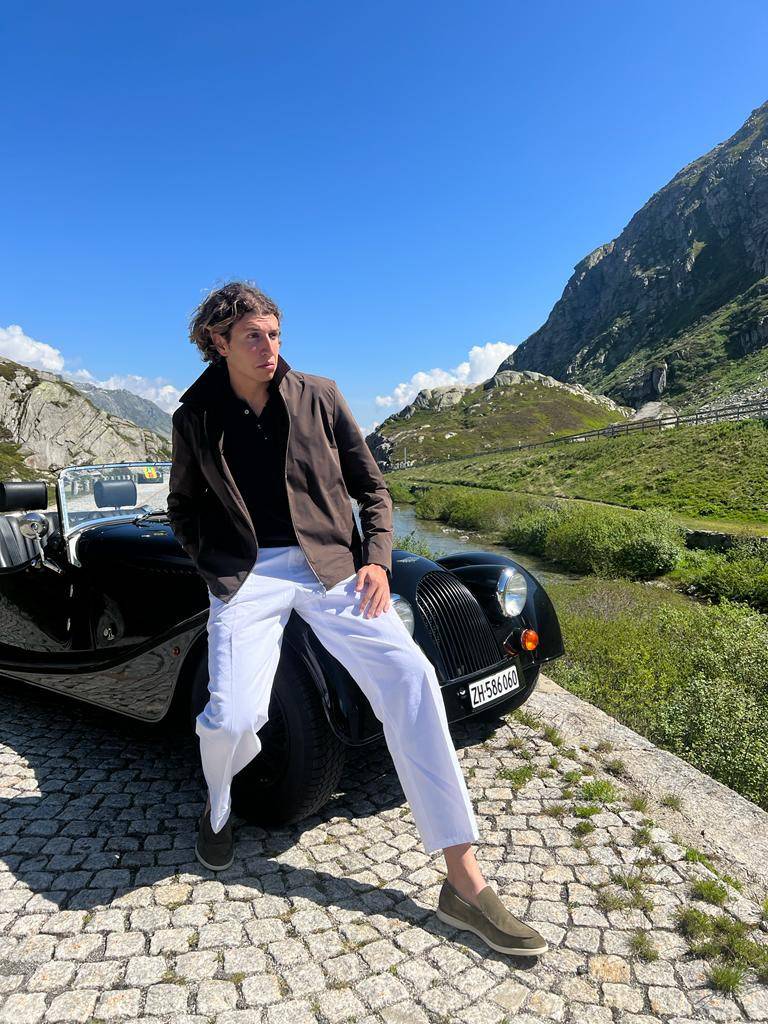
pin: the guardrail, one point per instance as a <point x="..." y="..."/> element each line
<point x="746" y="410"/>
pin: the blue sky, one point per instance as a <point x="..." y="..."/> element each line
<point x="412" y="183"/>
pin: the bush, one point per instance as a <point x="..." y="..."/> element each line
<point x="738" y="574"/>
<point x="529" y="533"/>
<point x="612" y="542"/>
<point x="399" y="491"/>
<point x="645" y="557"/>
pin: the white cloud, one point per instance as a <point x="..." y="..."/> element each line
<point x="480" y="364"/>
<point x="16" y="345"/>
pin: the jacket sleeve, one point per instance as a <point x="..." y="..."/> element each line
<point x="185" y="489"/>
<point x="365" y="483"/>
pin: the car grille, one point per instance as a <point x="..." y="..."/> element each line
<point x="457" y="624"/>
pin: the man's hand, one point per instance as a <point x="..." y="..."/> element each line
<point x="375" y="599"/>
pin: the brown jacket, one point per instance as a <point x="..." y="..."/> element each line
<point x="326" y="461"/>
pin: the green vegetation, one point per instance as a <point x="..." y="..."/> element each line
<point x="713" y="471"/>
<point x="705" y="360"/>
<point x="586" y="810"/>
<point x="607" y="900"/>
<point x="481" y="419"/>
<point x="516" y="776"/>
<point x="642" y="945"/>
<point x="690" y="677"/>
<point x="526" y="718"/>
<point x="599" y="789"/>
<point x="720" y="936"/>
<point x="556" y="810"/>
<point x="12" y="466"/>
<point x="583" y="828"/>
<point x="739" y="574"/>
<point x="727" y="978"/>
<point x="604" y="541"/>
<point x="552" y="735"/>
<point x="710" y="891"/>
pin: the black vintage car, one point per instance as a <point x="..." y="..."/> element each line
<point x="98" y="601"/>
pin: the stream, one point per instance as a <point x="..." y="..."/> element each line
<point x="444" y="539"/>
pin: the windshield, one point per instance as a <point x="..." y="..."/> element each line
<point x="114" y="491"/>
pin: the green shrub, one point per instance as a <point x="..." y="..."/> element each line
<point x="738" y="574"/>
<point x="646" y="556"/>
<point x="529" y="533"/>
<point x="613" y="542"/>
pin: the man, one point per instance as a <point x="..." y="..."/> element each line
<point x="265" y="459"/>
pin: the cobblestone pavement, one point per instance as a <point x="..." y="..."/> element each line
<point x="105" y="915"/>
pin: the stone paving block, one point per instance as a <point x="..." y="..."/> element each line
<point x="292" y="1012"/>
<point x="261" y="989"/>
<point x="23" y="1008"/>
<point x="101" y="975"/>
<point x="77" y="1006"/>
<point x="624" y="997"/>
<point x="118" y="1003"/>
<point x="403" y="1013"/>
<point x="51" y="977"/>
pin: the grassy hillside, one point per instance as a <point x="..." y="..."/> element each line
<point x="12" y="465"/>
<point x="718" y="471"/>
<point x="494" y="418"/>
<point x="707" y="360"/>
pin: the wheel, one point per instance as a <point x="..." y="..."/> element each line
<point x="300" y="761"/>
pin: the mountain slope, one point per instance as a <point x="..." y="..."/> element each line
<point x="126" y="405"/>
<point x="458" y="419"/>
<point x="47" y="423"/>
<point x="680" y="296"/>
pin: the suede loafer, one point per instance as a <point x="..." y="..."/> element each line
<point x="490" y="920"/>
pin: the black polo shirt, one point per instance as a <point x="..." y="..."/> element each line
<point x="254" y="448"/>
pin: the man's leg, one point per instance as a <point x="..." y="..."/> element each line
<point x="244" y="642"/>
<point x="401" y="685"/>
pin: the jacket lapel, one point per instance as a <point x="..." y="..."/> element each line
<point x="209" y="393"/>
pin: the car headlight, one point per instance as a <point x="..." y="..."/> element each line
<point x="511" y="591"/>
<point x="405" y="611"/>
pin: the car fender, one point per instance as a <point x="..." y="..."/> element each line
<point x="478" y="571"/>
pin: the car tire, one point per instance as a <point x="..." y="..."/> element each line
<point x="301" y="761"/>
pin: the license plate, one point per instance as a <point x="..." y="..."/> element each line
<point x="483" y="690"/>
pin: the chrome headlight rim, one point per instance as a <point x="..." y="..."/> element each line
<point x="511" y="591"/>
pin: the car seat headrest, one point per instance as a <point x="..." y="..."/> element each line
<point x="23" y="495"/>
<point x="115" y="493"/>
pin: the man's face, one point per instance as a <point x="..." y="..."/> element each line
<point x="251" y="351"/>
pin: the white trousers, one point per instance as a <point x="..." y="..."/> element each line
<point x="399" y="681"/>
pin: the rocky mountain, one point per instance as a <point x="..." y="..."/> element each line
<point x="677" y="305"/>
<point x="128" y="406"/>
<point x="47" y="423"/>
<point x="465" y="419"/>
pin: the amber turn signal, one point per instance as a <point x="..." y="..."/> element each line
<point x="525" y="640"/>
<point x="529" y="639"/>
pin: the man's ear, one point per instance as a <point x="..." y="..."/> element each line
<point x="217" y="340"/>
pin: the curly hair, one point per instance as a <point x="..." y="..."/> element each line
<point x="221" y="308"/>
